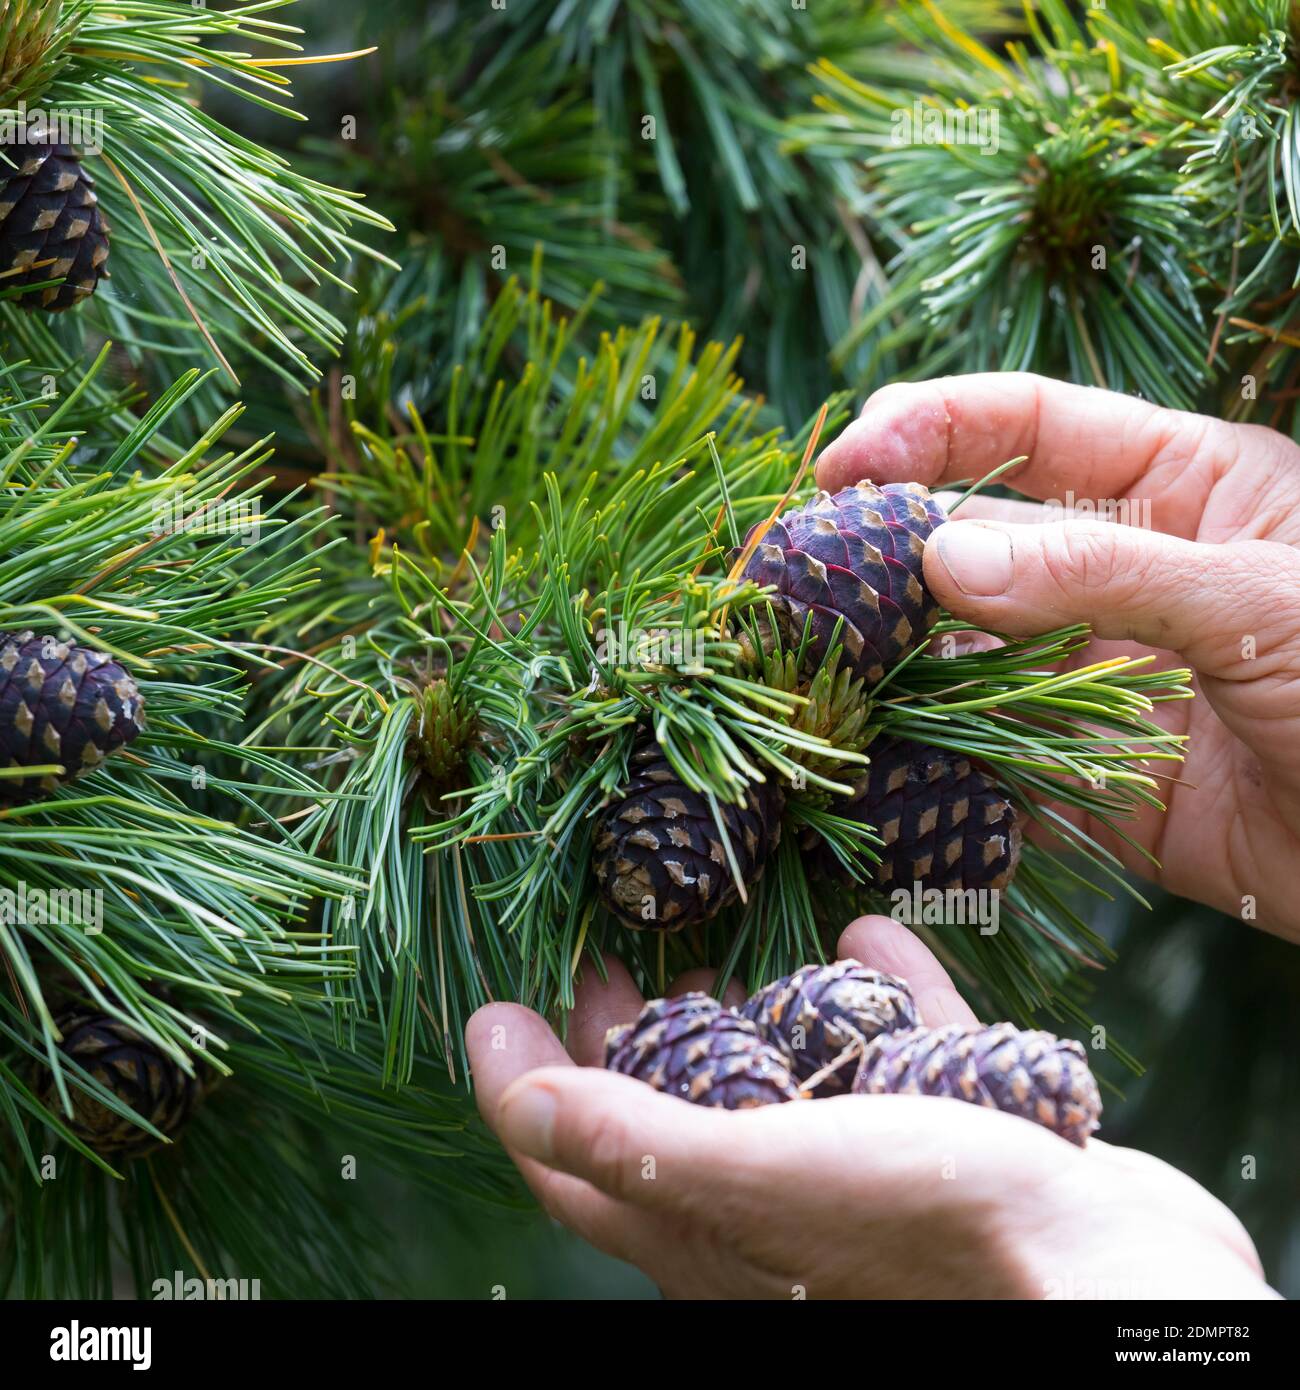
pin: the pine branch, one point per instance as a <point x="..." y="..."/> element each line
<point x="220" y="246"/>
<point x="1046" y="233"/>
<point x="1222" y="79"/>
<point x="476" y="697"/>
<point x="193" y="885"/>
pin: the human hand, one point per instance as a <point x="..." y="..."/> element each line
<point x="1216" y="580"/>
<point x="851" y="1197"/>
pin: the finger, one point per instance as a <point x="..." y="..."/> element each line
<point x="635" y="1145"/>
<point x="506" y="1041"/>
<point x="620" y="1230"/>
<point x="887" y="945"/>
<point x="1130" y="585"/>
<point x="1078" y="440"/>
<point x="705" y="981"/>
<point x="982" y="508"/>
<point x="598" y="1006"/>
<point x="666" y="1158"/>
<point x="953" y="644"/>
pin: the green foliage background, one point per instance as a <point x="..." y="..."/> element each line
<point x="772" y="203"/>
<point x="1205" y="1003"/>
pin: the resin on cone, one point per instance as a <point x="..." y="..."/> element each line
<point x="1034" y="1075"/>
<point x="60" y="703"/>
<point x="658" y="856"/>
<point x="51" y="227"/>
<point x="824" y="1014"/>
<point x="856" y="556"/>
<point x="694" y="1048"/>
<point x="944" y="823"/>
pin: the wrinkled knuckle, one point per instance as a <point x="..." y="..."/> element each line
<point x="1184" y="442"/>
<point x="1276" y="454"/>
<point x="1080" y="556"/>
<point x="1180" y="430"/>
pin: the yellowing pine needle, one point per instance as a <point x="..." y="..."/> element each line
<point x="462" y="563"/>
<point x="964" y="41"/>
<point x="307" y="60"/>
<point x="176" y="1223"/>
<point x="1275" y="334"/>
<point x="825" y="69"/>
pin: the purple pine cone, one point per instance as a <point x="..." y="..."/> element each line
<point x="945" y="824"/>
<point x="658" y="857"/>
<point x="60" y="703"/>
<point x="694" y="1048"/>
<point x="820" y="1012"/>
<point x="1034" y="1075"/>
<point x="857" y="556"/>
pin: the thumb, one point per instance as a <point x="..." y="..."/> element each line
<point x="627" y="1140"/>
<point x="1230" y="611"/>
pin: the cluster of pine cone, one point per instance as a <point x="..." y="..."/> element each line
<point x="848" y="564"/>
<point x="844" y="1028"/>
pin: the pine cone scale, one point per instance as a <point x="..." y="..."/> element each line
<point x="852" y="560"/>
<point x="51" y="226"/>
<point x="1031" y="1074"/>
<point x="60" y="703"/>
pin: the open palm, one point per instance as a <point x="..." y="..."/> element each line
<point x="853" y="1197"/>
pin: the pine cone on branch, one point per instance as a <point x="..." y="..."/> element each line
<point x="658" y="853"/>
<point x="1031" y="1074"/>
<point x="945" y="823"/>
<point x="60" y="703"/>
<point x="137" y="1074"/>
<point x="856" y="556"/>
<point x="51" y="227"/>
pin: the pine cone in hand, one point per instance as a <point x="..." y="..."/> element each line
<point x="134" y="1070"/>
<point x="1034" y="1075"/>
<point x="945" y="824"/>
<point x="60" y="703"/>
<point x="694" y="1048"/>
<point x="822" y="1013"/>
<point x="857" y="556"/>
<point x="658" y="857"/>
<point x="49" y="213"/>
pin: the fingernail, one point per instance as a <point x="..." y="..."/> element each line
<point x="977" y="557"/>
<point x="528" y="1120"/>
